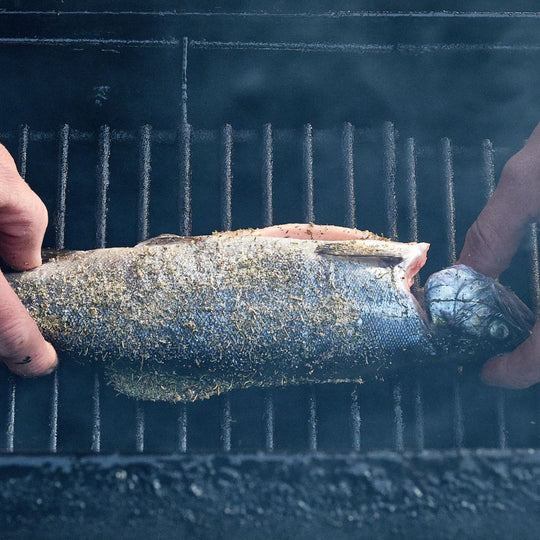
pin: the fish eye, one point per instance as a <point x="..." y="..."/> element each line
<point x="498" y="330"/>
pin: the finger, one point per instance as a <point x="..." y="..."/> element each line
<point x="518" y="369"/>
<point x="489" y="247"/>
<point x="494" y="237"/>
<point x="23" y="218"/>
<point x="22" y="348"/>
<point x="309" y="231"/>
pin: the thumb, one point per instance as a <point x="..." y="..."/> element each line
<point x="494" y="237"/>
<point x="22" y="348"/>
<point x="518" y="369"/>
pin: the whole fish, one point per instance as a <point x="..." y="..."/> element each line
<point x="184" y="318"/>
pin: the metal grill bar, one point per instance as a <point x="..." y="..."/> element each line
<point x="346" y="14"/>
<point x="307" y="172"/>
<point x="60" y="226"/>
<point x="291" y="46"/>
<point x="448" y="174"/>
<point x="185" y="179"/>
<point x="145" y="156"/>
<point x="347" y="150"/>
<point x="267" y="219"/>
<point x="185" y="140"/>
<point x="419" y="436"/>
<point x="10" y="425"/>
<point x="92" y="42"/>
<point x="12" y="384"/>
<point x="488" y="169"/>
<point x="103" y="177"/>
<point x="182" y="427"/>
<point x="267" y="175"/>
<point x="226" y="177"/>
<point x="184" y="96"/>
<point x="226" y="421"/>
<point x="23" y="149"/>
<point x="312" y="420"/>
<point x="96" y="416"/>
<point x="53" y="421"/>
<point x="139" y="427"/>
<point x="360" y="48"/>
<point x="412" y="202"/>
<point x="309" y="217"/>
<point x="412" y="236"/>
<point x="184" y="205"/>
<point x="104" y="154"/>
<point x="389" y="168"/>
<point x="502" y="432"/>
<point x="356" y="419"/>
<point x="389" y="172"/>
<point x="269" y="420"/>
<point x="535" y="270"/>
<point x="226" y="225"/>
<point x="459" y="428"/>
<point x="347" y="154"/>
<point x="399" y="424"/>
<point x="60" y="217"/>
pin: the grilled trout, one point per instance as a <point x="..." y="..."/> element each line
<point x="184" y="318"/>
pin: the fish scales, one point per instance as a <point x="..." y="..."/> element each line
<point x="180" y="319"/>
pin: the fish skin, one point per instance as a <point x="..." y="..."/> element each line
<point x="180" y="319"/>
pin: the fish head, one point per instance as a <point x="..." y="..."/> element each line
<point x="475" y="314"/>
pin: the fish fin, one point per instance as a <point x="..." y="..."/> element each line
<point x="160" y="386"/>
<point x="168" y="239"/>
<point x="164" y="387"/>
<point x="356" y="251"/>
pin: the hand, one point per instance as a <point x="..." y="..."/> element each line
<point x="23" y="220"/>
<point x="492" y="241"/>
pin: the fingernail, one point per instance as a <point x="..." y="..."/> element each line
<point x="55" y="361"/>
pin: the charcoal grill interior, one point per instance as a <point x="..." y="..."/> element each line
<point x="135" y="121"/>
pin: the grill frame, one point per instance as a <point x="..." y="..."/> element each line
<point x="403" y="492"/>
<point x="184" y="137"/>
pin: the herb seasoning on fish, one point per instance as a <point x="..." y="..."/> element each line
<point x="180" y="319"/>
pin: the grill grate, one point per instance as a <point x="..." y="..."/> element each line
<point x="146" y="137"/>
<point x="185" y="137"/>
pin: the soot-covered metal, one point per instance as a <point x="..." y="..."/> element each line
<point x="398" y="122"/>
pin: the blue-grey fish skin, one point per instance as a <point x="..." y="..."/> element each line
<point x="180" y="319"/>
